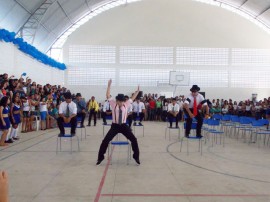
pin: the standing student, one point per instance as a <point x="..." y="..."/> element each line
<point x="119" y="116"/>
<point x="93" y="109"/>
<point x="4" y="120"/>
<point x="106" y="111"/>
<point x="15" y="116"/>
<point x="194" y="99"/>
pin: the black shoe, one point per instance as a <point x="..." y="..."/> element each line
<point x="72" y="134"/>
<point x="105" y="123"/>
<point x="199" y="136"/>
<point x="15" y="138"/>
<point x="176" y="126"/>
<point x="61" y="135"/>
<point x="187" y="136"/>
<point x="82" y="126"/>
<point x="99" y="160"/>
<point x="9" y="141"/>
<point x="170" y="126"/>
<point x="88" y="124"/>
<point x="137" y="160"/>
<point x="134" y="124"/>
<point x="140" y="124"/>
<point x="94" y="124"/>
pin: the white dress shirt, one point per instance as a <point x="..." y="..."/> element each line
<point x="106" y="106"/>
<point x="173" y="108"/>
<point x="72" y="108"/>
<point x="138" y="107"/>
<point x="190" y="100"/>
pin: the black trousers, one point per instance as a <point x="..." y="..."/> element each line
<point x="199" y="118"/>
<point x="114" y="130"/>
<point x="171" y="117"/>
<point x="129" y="119"/>
<point x="92" y="112"/>
<point x="141" y="115"/>
<point x="80" y="114"/>
<point x="73" y="123"/>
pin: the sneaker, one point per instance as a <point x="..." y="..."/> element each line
<point x="99" y="161"/>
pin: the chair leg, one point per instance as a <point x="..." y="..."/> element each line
<point x="71" y="145"/>
<point x="57" y="145"/>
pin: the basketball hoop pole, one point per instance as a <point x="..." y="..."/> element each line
<point x="175" y="86"/>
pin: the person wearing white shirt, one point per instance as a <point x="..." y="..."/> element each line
<point x="173" y="110"/>
<point x="129" y="113"/>
<point x="193" y="107"/>
<point x="106" y="111"/>
<point x="67" y="114"/>
<point x="138" y="111"/>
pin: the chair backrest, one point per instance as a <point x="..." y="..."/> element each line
<point x="217" y="116"/>
<point x="226" y="118"/>
<point x="193" y="125"/>
<point x="264" y="121"/>
<point x="244" y="120"/>
<point x="235" y="119"/>
<point x="213" y="122"/>
<point x="257" y="123"/>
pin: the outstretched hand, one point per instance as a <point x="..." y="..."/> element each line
<point x="110" y="82"/>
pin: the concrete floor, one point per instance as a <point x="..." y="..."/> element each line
<point x="236" y="172"/>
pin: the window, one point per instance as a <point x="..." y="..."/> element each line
<point x="92" y="54"/>
<point x="202" y="56"/>
<point x="146" y="55"/>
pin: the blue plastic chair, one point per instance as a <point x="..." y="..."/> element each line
<point x="119" y="143"/>
<point x="67" y="125"/>
<point x="168" y="128"/>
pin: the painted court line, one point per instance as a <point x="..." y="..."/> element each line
<point x="187" y="195"/>
<point x="103" y="178"/>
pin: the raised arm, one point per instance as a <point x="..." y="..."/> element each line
<point x="135" y="93"/>
<point x="108" y="92"/>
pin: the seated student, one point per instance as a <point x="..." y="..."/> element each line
<point x="106" y="111"/>
<point x="129" y="113"/>
<point x="81" y="108"/>
<point x="3" y="186"/>
<point x="173" y="110"/>
<point x="67" y="114"/>
<point x="138" y="111"/>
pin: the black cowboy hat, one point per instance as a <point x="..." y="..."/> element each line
<point x="120" y="97"/>
<point x="195" y="88"/>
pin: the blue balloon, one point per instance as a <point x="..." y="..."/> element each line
<point x="24" y="74"/>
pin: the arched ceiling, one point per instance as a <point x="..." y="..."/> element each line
<point x="43" y="22"/>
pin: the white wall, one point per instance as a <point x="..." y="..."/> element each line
<point x="175" y="23"/>
<point x="15" y="62"/>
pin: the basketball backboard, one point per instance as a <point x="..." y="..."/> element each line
<point x="179" y="78"/>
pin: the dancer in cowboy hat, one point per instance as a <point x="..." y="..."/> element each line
<point x="193" y="107"/>
<point x="119" y="116"/>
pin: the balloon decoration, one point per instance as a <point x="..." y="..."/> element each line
<point x="10" y="37"/>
